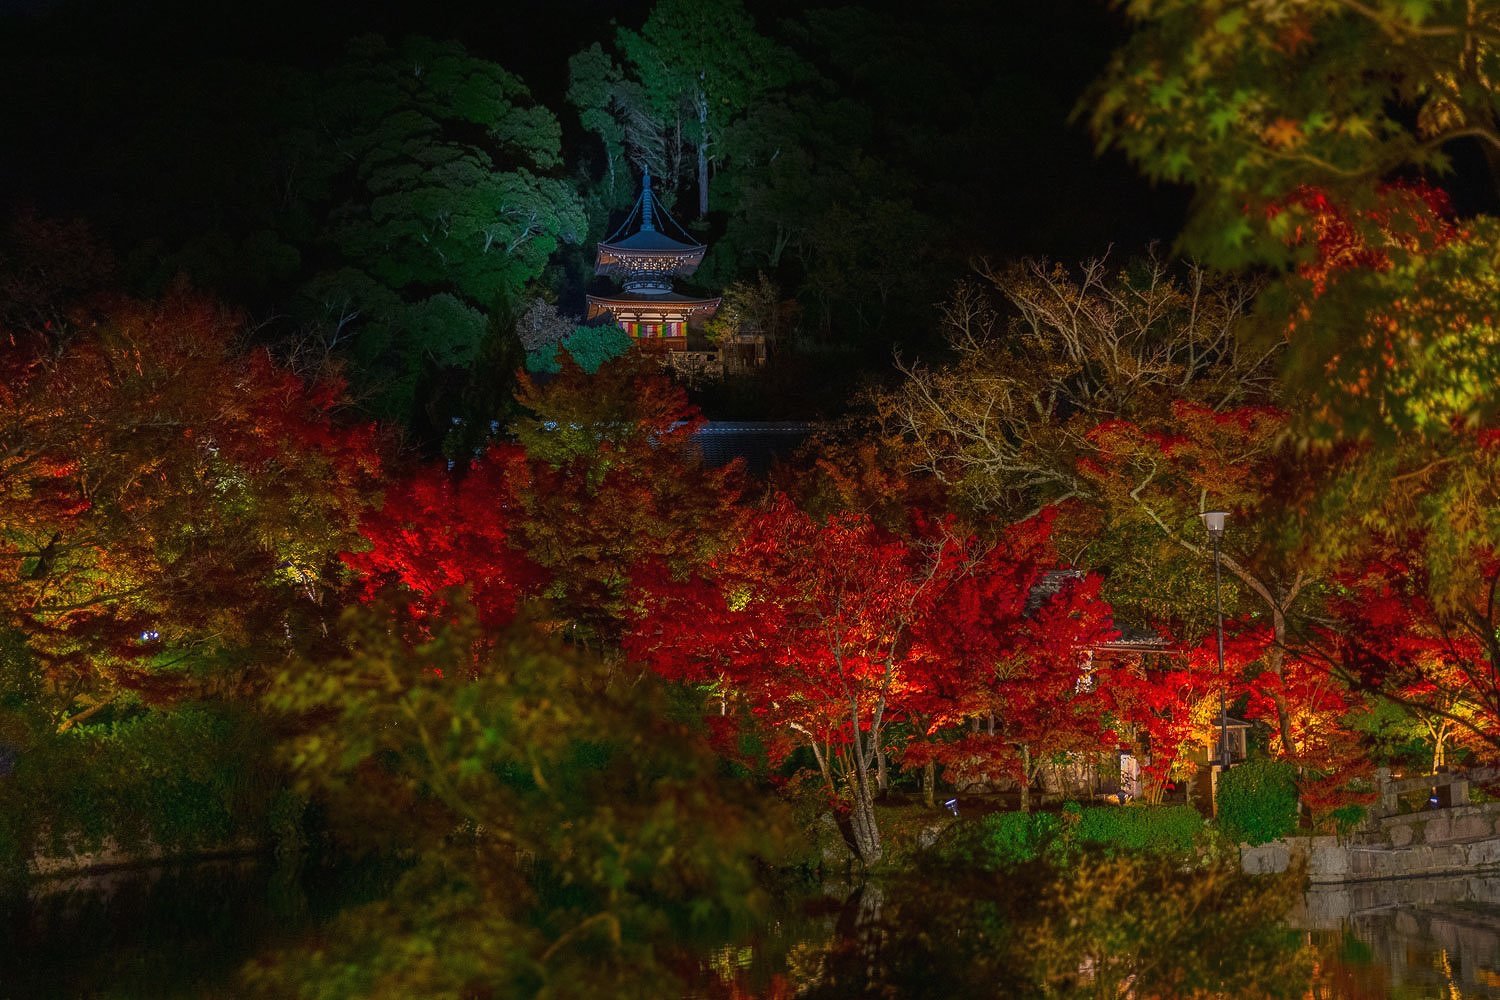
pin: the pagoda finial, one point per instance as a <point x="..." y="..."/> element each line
<point x="647" y="226"/>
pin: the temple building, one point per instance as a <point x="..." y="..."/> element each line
<point x="644" y="262"/>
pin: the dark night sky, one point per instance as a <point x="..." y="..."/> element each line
<point x="1033" y="186"/>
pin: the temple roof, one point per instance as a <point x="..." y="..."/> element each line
<point x="648" y="241"/>
<point x="647" y="298"/>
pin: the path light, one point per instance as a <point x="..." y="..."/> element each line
<point x="1213" y="520"/>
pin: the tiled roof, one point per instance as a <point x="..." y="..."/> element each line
<point x="758" y="442"/>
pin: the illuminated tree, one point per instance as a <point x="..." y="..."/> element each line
<point x="1130" y="399"/>
<point x="1250" y="101"/>
<point x="167" y="503"/>
<point x="1290" y="120"/>
<point x="433" y="170"/>
<point x="1392" y="333"/>
<point x="1171" y="703"/>
<point x="441" y="529"/>
<point x="809" y="623"/>
<point x="1439" y="665"/>
<point x="612" y="479"/>
<point x="836" y="628"/>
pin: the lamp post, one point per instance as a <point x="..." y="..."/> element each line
<point x="1213" y="520"/>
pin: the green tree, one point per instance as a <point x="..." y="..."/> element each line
<point x="616" y="109"/>
<point x="701" y="65"/>
<point x="433" y="172"/>
<point x="588" y="346"/>
<point x="1300" y="127"/>
<point x="1248" y="101"/>
<point x="1290" y="120"/>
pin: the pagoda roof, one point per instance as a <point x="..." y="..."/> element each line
<point x="651" y="241"/>
<point x="646" y="298"/>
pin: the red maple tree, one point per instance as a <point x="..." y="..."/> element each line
<point x="835" y="628"/>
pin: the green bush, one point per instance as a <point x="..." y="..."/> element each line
<point x="998" y="840"/>
<point x="1004" y="839"/>
<point x="589" y="346"/>
<point x="1258" y="801"/>
<point x="1148" y="829"/>
<point x="1015" y="837"/>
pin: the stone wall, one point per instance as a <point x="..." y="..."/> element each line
<point x="1462" y="840"/>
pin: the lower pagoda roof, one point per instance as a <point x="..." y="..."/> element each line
<point x="666" y="304"/>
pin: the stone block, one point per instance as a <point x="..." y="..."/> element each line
<point x="1400" y="836"/>
<point x="1327" y="860"/>
<point x="1455" y="793"/>
<point x="1265" y="859"/>
<point x="1483" y="854"/>
<point x="1471" y="827"/>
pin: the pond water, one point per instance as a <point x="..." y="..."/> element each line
<point x="183" y="932"/>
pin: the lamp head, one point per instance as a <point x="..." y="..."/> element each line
<point x="1213" y="520"/>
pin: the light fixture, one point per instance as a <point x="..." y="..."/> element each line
<point x="1213" y="520"/>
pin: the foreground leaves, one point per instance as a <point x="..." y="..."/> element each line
<point x="562" y="831"/>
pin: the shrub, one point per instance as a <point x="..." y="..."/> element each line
<point x="1015" y="837"/>
<point x="998" y="840"/>
<point x="1258" y="801"/>
<point x="1001" y="840"/>
<point x="1148" y="829"/>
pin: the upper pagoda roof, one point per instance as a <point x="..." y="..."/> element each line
<point x="650" y="241"/>
<point x="647" y="240"/>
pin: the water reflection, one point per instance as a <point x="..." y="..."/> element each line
<point x="1429" y="937"/>
<point x="1409" y="939"/>
<point x="1115" y="933"/>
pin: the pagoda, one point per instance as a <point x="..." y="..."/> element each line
<point x="645" y="262"/>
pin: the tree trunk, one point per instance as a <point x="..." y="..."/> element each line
<point x="702" y="155"/>
<point x="929" y="785"/>
<point x="702" y="179"/>
<point x="1025" y="780"/>
<point x="823" y="768"/>
<point x="882" y="772"/>
<point x="862" y="821"/>
<point x="1276" y="660"/>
